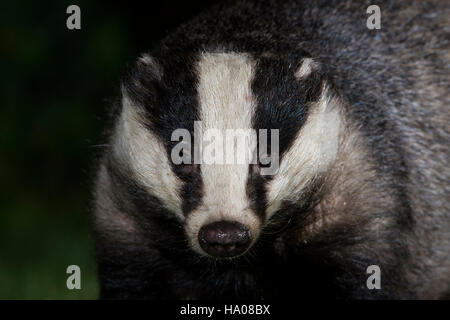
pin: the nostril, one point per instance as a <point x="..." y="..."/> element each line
<point x="224" y="238"/>
<point x="223" y="234"/>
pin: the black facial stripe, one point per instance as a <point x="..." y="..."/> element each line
<point x="256" y="191"/>
<point x="171" y="103"/>
<point x="282" y="100"/>
<point x="161" y="229"/>
<point x="282" y="103"/>
<point x="131" y="196"/>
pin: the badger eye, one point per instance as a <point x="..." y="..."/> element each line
<point x="256" y="168"/>
<point x="265" y="165"/>
<point x="265" y="162"/>
<point x="187" y="169"/>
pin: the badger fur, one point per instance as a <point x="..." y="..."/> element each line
<point x="363" y="175"/>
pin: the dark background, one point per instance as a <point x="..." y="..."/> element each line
<point x="56" y="87"/>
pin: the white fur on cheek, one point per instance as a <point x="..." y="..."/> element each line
<point x="226" y="102"/>
<point x="312" y="152"/>
<point x="147" y="158"/>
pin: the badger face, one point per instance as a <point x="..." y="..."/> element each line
<point x="224" y="206"/>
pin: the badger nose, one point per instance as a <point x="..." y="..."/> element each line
<point x="224" y="238"/>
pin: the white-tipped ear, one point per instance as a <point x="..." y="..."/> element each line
<point x="151" y="64"/>
<point x="307" y="67"/>
<point x="146" y="59"/>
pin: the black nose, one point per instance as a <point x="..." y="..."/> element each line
<point x="224" y="238"/>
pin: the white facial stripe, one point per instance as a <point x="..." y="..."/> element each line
<point x="312" y="152"/>
<point x="308" y="66"/>
<point x="146" y="157"/>
<point x="226" y="102"/>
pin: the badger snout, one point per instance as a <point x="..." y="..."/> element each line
<point x="224" y="239"/>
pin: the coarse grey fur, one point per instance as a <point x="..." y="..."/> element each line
<point x="384" y="201"/>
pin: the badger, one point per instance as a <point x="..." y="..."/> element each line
<point x="362" y="130"/>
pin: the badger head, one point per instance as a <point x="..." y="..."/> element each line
<point x="171" y="105"/>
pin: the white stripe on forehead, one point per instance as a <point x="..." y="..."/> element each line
<point x="226" y="102"/>
<point x="146" y="156"/>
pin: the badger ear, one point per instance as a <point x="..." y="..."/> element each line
<point x="142" y="80"/>
<point x="310" y="79"/>
<point x="149" y="64"/>
<point x="306" y="68"/>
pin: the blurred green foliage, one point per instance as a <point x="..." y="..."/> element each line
<point x="56" y="86"/>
